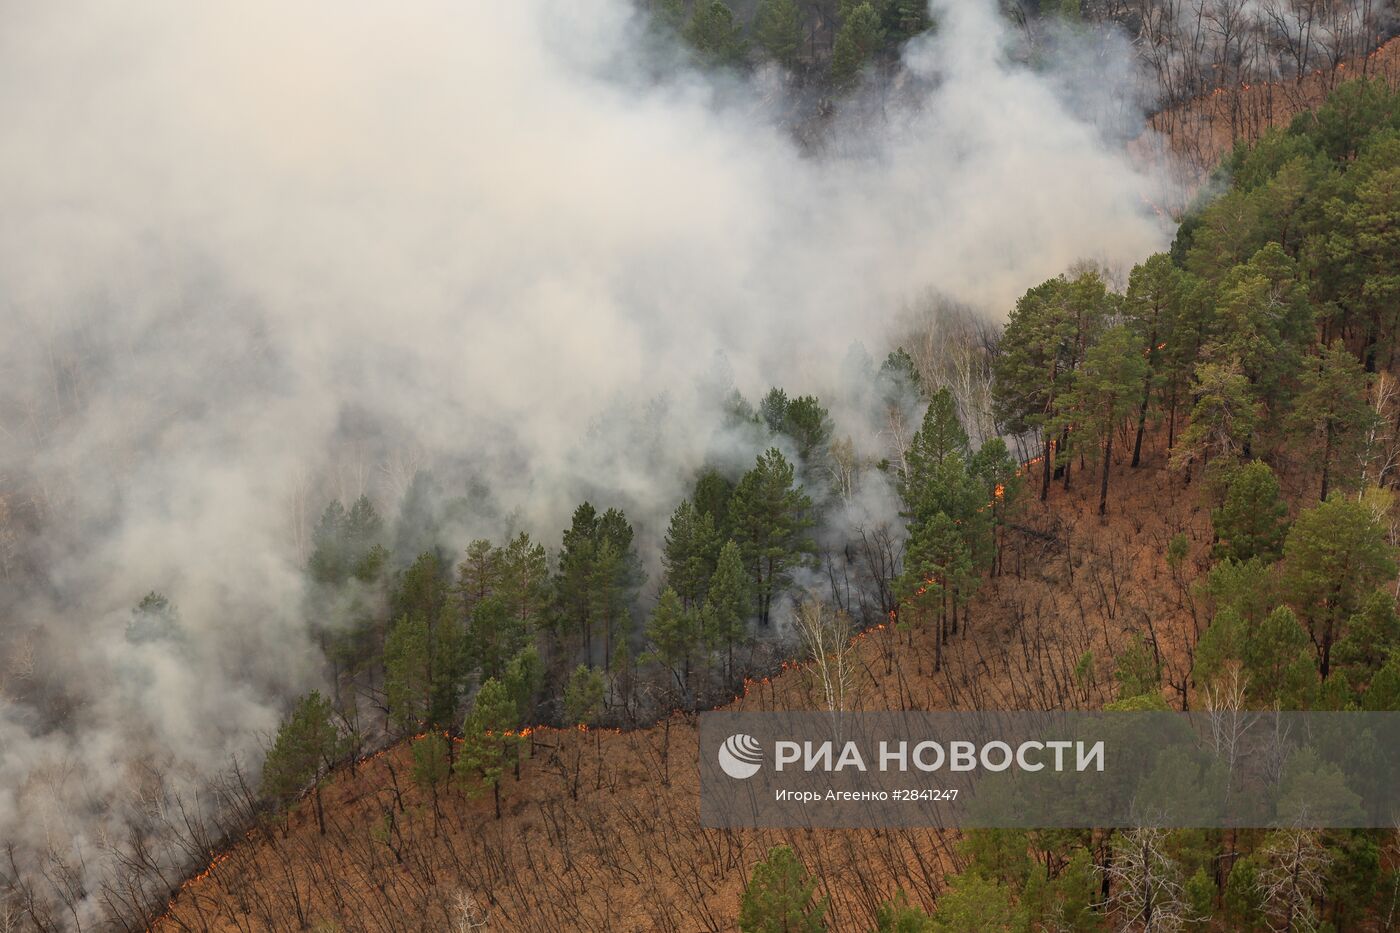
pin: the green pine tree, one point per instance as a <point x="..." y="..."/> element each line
<point x="781" y="897"/>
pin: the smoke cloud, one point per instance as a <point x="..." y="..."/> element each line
<point x="256" y="255"/>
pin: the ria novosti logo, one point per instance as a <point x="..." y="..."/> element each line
<point x="741" y="756"/>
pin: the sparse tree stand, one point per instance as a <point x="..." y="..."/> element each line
<point x="1102" y="395"/>
<point x="306" y="747"/>
<point x="780" y="897"/>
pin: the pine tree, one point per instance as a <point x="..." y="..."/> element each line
<point x="689" y="553"/>
<point x="857" y="40"/>
<point x="1103" y="394"/>
<point x="939" y="439"/>
<point x="780" y="897"/>
<point x="1334" y="557"/>
<point x="488" y="740"/>
<point x="727" y="605"/>
<point x="522" y="582"/>
<point x="1002" y="485"/>
<point x="524" y="679"/>
<point x="1265" y="321"/>
<point x="306" y="746"/>
<point x="1332" y="409"/>
<point x="1223" y="419"/>
<point x="1372" y="638"/>
<point x="712" y="495"/>
<point x="574" y="582"/>
<point x="674" y="634"/>
<point x="770" y="518"/>
<point x="1253" y="520"/>
<point x="328" y="562"/>
<point x="937" y="562"/>
<point x="431" y="768"/>
<point x="407" y="673"/>
<point x="777" y="27"/>
<point x="1152" y="307"/>
<point x="715" y="34"/>
<point x="583" y="696"/>
<point x="1046" y="337"/>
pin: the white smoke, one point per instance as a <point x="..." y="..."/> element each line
<point x="254" y="255"/>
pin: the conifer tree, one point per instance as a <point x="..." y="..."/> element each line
<point x="1103" y="395"/>
<point x="727" y="605"/>
<point x="770" y="517"/>
<point x="689" y="553"/>
<point x="1253" y="520"/>
<point x="781" y="897"/>
<point x="715" y="34"/>
<point x="1334" y="557"/>
<point x="857" y="40"/>
<point x="306" y="746"/>
<point x="489" y="740"/>
<point x="583" y="696"/>
<point x="777" y="27"/>
<point x="674" y="634"/>
<point x="1331" y="410"/>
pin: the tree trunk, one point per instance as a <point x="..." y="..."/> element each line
<point x="1045" y="470"/>
<point x="1142" y="420"/>
<point x="1107" y="458"/>
<point x="1326" y="460"/>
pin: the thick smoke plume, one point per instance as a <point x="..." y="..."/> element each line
<point x="257" y="255"/>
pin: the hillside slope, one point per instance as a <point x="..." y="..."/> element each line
<point x="601" y="830"/>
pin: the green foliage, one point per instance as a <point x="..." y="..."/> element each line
<point x="972" y="902"/>
<point x="1354" y="111"/>
<point x="690" y="552"/>
<point x="583" y="697"/>
<point x="154" y="618"/>
<point x="712" y="496"/>
<point x="1332" y="413"/>
<point x="306" y="746"/>
<point x="408" y="673"/>
<point x="897" y="915"/>
<point x="780" y="897"/>
<point x="524" y="679"/>
<point x="1000" y="854"/>
<point x="1384" y="690"/>
<point x="599" y="573"/>
<point x="1106" y="388"/>
<point x="347" y="545"/>
<point x="1137" y="670"/>
<point x="489" y="739"/>
<point x="1253" y="520"/>
<point x="859" y="37"/>
<point x="1334" y="557"/>
<point x="725" y="616"/>
<point x="715" y="34"/>
<point x="431" y="768"/>
<point x="1224" y="418"/>
<point x="668" y="14"/>
<point x="770" y="517"/>
<point x="1199" y="892"/>
<point x="1372" y="638"/>
<point x="1046" y="337"/>
<point x="673" y="633"/>
<point x="777" y="28"/>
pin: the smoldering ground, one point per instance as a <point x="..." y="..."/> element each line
<point x="253" y="256"/>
